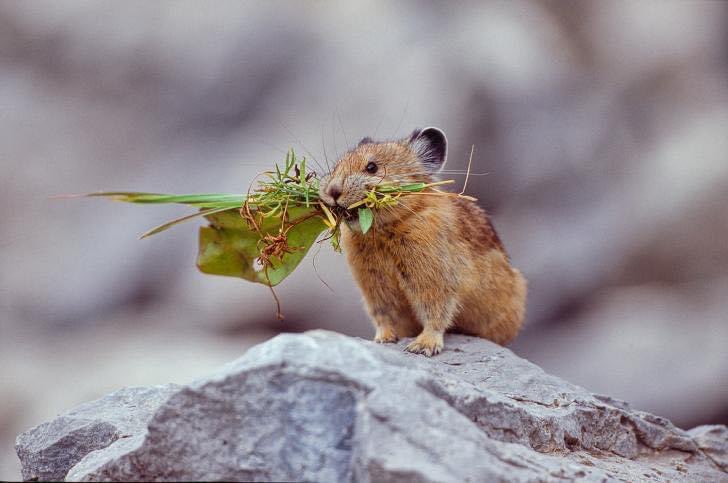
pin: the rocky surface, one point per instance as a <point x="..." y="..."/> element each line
<point x="48" y="451"/>
<point x="321" y="406"/>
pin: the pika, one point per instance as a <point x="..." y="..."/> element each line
<point x="429" y="264"/>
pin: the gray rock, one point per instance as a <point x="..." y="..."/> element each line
<point x="713" y="440"/>
<point x="321" y="406"/>
<point x="49" y="450"/>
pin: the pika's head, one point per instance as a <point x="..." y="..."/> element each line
<point x="416" y="158"/>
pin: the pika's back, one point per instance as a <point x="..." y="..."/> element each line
<point x="475" y="226"/>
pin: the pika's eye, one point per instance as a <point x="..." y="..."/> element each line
<point x="371" y="168"/>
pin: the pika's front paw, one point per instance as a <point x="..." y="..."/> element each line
<point x="426" y="344"/>
<point x="385" y="335"/>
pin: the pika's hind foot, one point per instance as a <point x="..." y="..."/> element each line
<point x="427" y="343"/>
<point x="385" y="335"/>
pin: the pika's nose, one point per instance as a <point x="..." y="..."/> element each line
<point x="334" y="190"/>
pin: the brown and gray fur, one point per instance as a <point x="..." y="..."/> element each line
<point x="431" y="263"/>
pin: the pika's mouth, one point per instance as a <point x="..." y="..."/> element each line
<point x="346" y="215"/>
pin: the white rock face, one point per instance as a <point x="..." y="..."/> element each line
<point x="325" y="407"/>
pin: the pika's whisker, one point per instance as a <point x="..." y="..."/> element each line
<point x="313" y="158"/>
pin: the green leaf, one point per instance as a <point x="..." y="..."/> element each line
<point x="412" y="187"/>
<point x="336" y="241"/>
<point x="229" y="247"/>
<point x="366" y="218"/>
<point x="395" y="188"/>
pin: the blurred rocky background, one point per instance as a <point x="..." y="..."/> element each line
<point x="602" y="127"/>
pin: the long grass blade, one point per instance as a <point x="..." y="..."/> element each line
<point x="205" y="200"/>
<point x="182" y="219"/>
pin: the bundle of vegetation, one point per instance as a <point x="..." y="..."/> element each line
<point x="263" y="235"/>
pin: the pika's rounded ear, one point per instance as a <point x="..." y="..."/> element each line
<point x="366" y="140"/>
<point x="430" y="144"/>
